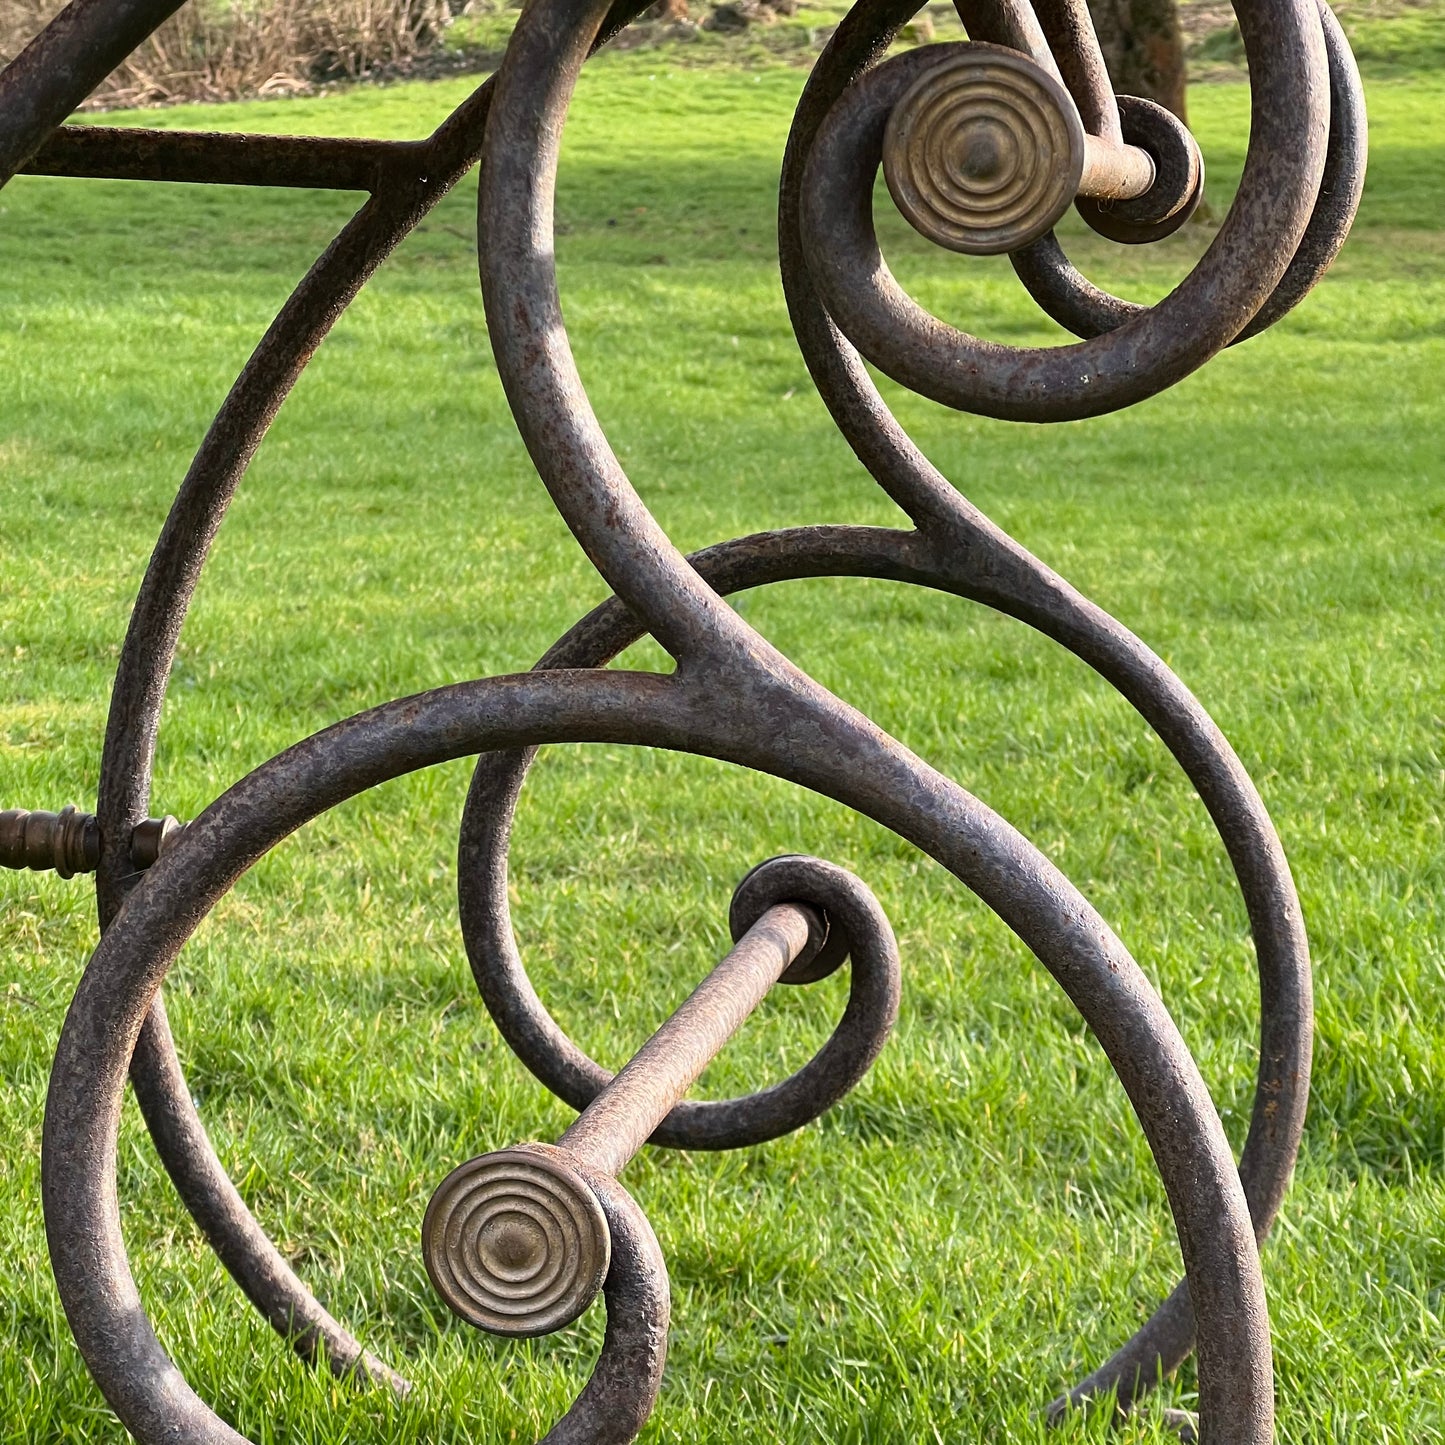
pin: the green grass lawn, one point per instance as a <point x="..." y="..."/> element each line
<point x="980" y="1221"/>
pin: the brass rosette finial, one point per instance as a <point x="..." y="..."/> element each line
<point x="516" y="1243"/>
<point x="985" y="152"/>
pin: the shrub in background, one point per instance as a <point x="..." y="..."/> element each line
<point x="222" y="49"/>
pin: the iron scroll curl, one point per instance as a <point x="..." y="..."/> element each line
<point x="1306" y="155"/>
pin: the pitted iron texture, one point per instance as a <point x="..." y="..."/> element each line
<point x="507" y="1249"/>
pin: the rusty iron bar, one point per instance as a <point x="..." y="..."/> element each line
<point x="63" y="64"/>
<point x="515" y="1242"/>
<point x="620" y="1120"/>
<point x="212" y="158"/>
<point x="1073" y="42"/>
<point x="733" y="696"/>
<point x="856" y="927"/>
<point x="521" y="1260"/>
<point x="1013" y="24"/>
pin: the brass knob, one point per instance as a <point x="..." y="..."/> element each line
<point x="984" y="152"/>
<point x="516" y="1243"/>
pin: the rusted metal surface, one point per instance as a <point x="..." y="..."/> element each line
<point x="310" y="162"/>
<point x="519" y="1241"/>
<point x="63" y="64"/>
<point x="626" y="1112"/>
<point x="1075" y="47"/>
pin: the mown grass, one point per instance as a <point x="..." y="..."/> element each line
<point x="1390" y="38"/>
<point x="980" y="1221"/>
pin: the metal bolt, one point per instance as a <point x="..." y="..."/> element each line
<point x="68" y="842"/>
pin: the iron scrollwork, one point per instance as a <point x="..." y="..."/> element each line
<point x="983" y="145"/>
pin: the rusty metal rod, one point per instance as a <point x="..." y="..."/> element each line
<point x="1012" y="23"/>
<point x="617" y="1123"/>
<point x="68" y="842"/>
<point x="1114" y="171"/>
<point x="1069" y="29"/>
<point x="63" y="64"/>
<point x="212" y="158"/>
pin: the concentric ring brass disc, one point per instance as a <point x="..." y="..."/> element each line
<point x="984" y="153"/>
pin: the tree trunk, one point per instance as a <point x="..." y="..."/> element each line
<point x="1143" y="49"/>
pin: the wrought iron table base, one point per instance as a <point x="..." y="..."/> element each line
<point x="982" y="145"/>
